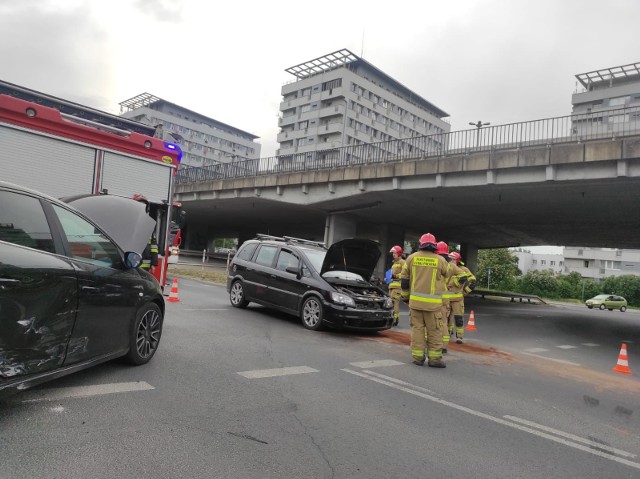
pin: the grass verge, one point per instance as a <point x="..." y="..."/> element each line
<point x="218" y="277"/>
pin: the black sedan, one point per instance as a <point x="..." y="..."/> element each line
<point x="70" y="296"/>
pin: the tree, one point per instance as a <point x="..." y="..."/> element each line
<point x="503" y="265"/>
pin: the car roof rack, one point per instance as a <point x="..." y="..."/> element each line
<point x="290" y="239"/>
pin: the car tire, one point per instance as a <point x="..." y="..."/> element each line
<point x="311" y="313"/>
<point x="145" y="334"/>
<point x="623" y="308"/>
<point x="602" y="307"/>
<point x="236" y="295"/>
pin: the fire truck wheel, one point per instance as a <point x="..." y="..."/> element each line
<point x="236" y="296"/>
<point x="145" y="334"/>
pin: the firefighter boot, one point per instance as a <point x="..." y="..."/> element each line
<point x="437" y="364"/>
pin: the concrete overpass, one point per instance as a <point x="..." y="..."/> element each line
<point x="574" y="188"/>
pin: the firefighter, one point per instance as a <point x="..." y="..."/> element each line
<point x="150" y="253"/>
<point x="422" y="281"/>
<point x="457" y="306"/>
<point x="395" y="291"/>
<point x="442" y="249"/>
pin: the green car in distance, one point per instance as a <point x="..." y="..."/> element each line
<point x="607" y="301"/>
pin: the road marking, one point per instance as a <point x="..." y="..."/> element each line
<point x="376" y="364"/>
<point x="86" y="391"/>
<point x="566" y="346"/>
<point x="573" y="437"/>
<point x="591" y="345"/>
<point x="536" y="350"/>
<point x="208" y="309"/>
<point x="270" y="373"/>
<point x="412" y="390"/>
<point x="398" y="381"/>
<point x="551" y="359"/>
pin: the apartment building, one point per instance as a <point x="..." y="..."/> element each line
<point x="539" y="262"/>
<point x="599" y="263"/>
<point x="594" y="263"/>
<point x="341" y="99"/>
<point x="204" y="141"/>
<point x="616" y="88"/>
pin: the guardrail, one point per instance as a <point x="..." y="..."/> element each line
<point x="499" y="294"/>
<point x="565" y="129"/>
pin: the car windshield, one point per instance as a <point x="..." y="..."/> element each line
<point x="602" y="296"/>
<point x="315" y="257"/>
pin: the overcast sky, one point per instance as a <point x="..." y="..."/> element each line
<point x="497" y="61"/>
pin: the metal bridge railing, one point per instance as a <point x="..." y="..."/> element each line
<point x="565" y="129"/>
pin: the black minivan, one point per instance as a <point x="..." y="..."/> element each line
<point x="324" y="287"/>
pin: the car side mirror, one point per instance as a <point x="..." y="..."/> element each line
<point x="132" y="260"/>
<point x="293" y="270"/>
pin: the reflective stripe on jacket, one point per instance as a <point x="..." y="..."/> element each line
<point x="422" y="279"/>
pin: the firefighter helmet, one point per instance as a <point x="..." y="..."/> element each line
<point x="455" y="256"/>
<point x="428" y="241"/>
<point x="396" y="249"/>
<point x="442" y="248"/>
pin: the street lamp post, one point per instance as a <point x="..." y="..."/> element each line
<point x="478" y="125"/>
<point x="488" y="278"/>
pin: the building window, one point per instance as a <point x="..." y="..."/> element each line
<point x="543" y="262"/>
<point x="586" y="263"/>
<point x="552" y="263"/>
<point x="534" y="262"/>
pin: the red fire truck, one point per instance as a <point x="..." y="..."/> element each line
<point x="64" y="149"/>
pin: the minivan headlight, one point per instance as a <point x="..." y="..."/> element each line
<point x="340" y="298"/>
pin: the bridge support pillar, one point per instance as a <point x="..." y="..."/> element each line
<point x="469" y="254"/>
<point x="338" y="227"/>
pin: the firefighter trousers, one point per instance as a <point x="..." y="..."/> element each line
<point x="456" y="318"/>
<point x="395" y="294"/>
<point x="433" y="325"/>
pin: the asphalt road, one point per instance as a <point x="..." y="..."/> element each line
<point x="250" y="393"/>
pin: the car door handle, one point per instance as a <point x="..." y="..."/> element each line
<point x="273" y="276"/>
<point x="7" y="283"/>
<point x="90" y="289"/>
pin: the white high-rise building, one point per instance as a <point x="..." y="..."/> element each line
<point x="340" y="100"/>
<point x="615" y="88"/>
<point x="204" y="141"/>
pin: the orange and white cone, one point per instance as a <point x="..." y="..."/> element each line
<point x="623" y="362"/>
<point x="471" y="325"/>
<point x="173" y="294"/>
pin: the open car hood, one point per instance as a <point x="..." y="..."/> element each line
<point x="358" y="256"/>
<point x="125" y="220"/>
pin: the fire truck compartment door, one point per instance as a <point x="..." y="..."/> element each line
<point x="121" y="175"/>
<point x="54" y="167"/>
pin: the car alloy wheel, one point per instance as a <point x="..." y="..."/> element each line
<point x="602" y="307"/>
<point x="623" y="308"/>
<point x="146" y="334"/>
<point x="312" y="313"/>
<point x="236" y="295"/>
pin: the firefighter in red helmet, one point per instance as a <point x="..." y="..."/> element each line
<point x="452" y="295"/>
<point x="395" y="290"/>
<point x="462" y="289"/>
<point x="422" y="280"/>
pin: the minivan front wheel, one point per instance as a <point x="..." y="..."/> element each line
<point x="236" y="295"/>
<point x="311" y="313"/>
<point x="623" y="308"/>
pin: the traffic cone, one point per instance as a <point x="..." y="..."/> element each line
<point x="471" y="325"/>
<point x="173" y="295"/>
<point x="623" y="362"/>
